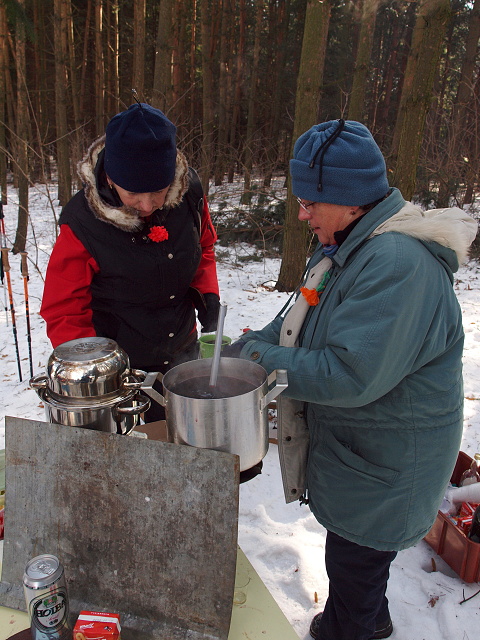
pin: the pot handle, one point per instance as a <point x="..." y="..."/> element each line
<point x="133" y="411"/>
<point x="136" y="383"/>
<point x="118" y="413"/>
<point x="39" y="381"/>
<point x="280" y="377"/>
<point x="145" y="383"/>
<point x="147" y="386"/>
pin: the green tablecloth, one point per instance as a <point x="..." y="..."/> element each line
<point x="255" y="614"/>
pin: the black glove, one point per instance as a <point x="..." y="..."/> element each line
<point x="208" y="315"/>
<point x="233" y="350"/>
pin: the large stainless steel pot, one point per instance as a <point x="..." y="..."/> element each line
<point x="232" y="416"/>
<point x="114" y="415"/>
<point x="89" y="383"/>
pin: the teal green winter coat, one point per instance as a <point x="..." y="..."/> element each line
<point x="378" y="370"/>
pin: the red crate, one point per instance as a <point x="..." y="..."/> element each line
<point x="450" y="542"/>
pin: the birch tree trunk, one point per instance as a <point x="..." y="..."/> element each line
<point x="306" y="115"/>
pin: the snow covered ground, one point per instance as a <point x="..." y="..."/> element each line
<point x="284" y="542"/>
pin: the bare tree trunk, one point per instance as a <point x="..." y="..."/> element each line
<point x="467" y="107"/>
<point x="430" y="27"/>
<point x="362" y="62"/>
<point x="306" y="109"/>
<point x="86" y="40"/>
<point x="472" y="179"/>
<point x="3" y="103"/>
<point x="162" y="79"/>
<point x="457" y="161"/>
<point x="178" y="65"/>
<point x="138" y="78"/>
<point x="112" y="75"/>
<point x="21" y="134"/>
<point x="469" y="65"/>
<point x="193" y="44"/>
<point x="382" y="121"/>
<point x="63" y="155"/>
<point x="238" y="89"/>
<point x="207" y="23"/>
<point x="281" y="52"/>
<point x="76" y="151"/>
<point x="99" y="70"/>
<point x="251" y="117"/>
<point x="223" y="84"/>
<point x="39" y="170"/>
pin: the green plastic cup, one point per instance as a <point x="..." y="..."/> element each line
<point x="207" y="344"/>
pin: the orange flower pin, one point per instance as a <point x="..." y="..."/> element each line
<point x="310" y="295"/>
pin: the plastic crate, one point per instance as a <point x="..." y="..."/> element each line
<point x="450" y="542"/>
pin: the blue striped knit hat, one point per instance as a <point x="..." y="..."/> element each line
<point x="338" y="162"/>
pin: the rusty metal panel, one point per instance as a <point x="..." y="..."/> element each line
<point x="144" y="528"/>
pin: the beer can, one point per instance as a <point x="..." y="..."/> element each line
<point x="46" y="598"/>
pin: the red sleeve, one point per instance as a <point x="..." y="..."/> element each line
<point x="205" y="279"/>
<point x="66" y="296"/>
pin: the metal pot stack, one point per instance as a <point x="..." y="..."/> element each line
<point x="89" y="383"/>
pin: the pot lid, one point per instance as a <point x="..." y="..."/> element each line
<point x="85" y="367"/>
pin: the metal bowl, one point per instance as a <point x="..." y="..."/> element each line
<point x="86" y="367"/>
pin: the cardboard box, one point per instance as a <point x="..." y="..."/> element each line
<point x="154" y="430"/>
<point x="450" y="542"/>
<point x="98" y="625"/>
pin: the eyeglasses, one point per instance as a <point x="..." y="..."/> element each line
<point x="303" y="204"/>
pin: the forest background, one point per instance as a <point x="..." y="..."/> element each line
<point x="242" y="79"/>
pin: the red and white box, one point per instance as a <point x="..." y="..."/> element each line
<point x="93" y="625"/>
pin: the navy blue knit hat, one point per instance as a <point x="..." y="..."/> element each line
<point x="140" y="149"/>
<point x="338" y="162"/>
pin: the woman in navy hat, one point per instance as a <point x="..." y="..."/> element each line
<point x="135" y="255"/>
<point x="370" y="425"/>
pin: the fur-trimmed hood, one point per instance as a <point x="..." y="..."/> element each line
<point x="451" y="228"/>
<point x="121" y="217"/>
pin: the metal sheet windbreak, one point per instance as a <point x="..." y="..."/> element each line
<point x="144" y="528"/>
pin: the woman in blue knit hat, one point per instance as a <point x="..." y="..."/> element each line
<point x="135" y="255"/>
<point x="371" y="422"/>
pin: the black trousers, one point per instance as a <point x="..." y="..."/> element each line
<point x="356" y="602"/>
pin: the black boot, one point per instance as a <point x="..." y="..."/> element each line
<point x="383" y="630"/>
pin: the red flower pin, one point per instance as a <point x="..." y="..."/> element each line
<point x="158" y="234"/>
